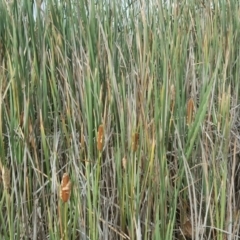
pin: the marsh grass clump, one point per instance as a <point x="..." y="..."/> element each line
<point x="161" y="79"/>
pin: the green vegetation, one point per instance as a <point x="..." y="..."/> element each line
<point x="163" y="84"/>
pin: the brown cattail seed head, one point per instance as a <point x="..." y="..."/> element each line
<point x="65" y="190"/>
<point x="172" y="92"/>
<point x="172" y="97"/>
<point x="190" y="110"/>
<point x="6" y="178"/>
<point x="100" y="138"/>
<point x="187" y="229"/>
<point x="135" y="139"/>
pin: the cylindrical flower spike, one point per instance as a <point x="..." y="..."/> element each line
<point x="6" y="178"/>
<point x="65" y="190"/>
<point x="135" y="139"/>
<point x="190" y="110"/>
<point x="100" y="138"/>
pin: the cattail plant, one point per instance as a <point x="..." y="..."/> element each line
<point x="6" y="185"/>
<point x="190" y="110"/>
<point x="172" y="97"/>
<point x="65" y="193"/>
<point x="6" y="178"/>
<point x="65" y="190"/>
<point x="187" y="229"/>
<point x="135" y="139"/>
<point x="100" y="138"/>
